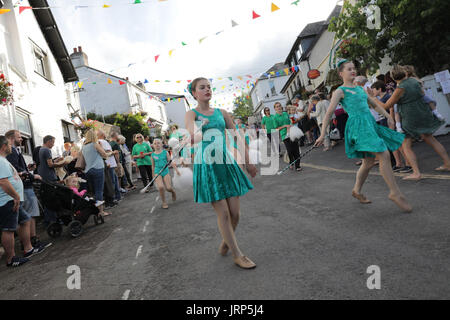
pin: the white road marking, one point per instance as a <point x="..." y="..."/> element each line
<point x="153" y="209"/>
<point x="147" y="223"/>
<point x="126" y="295"/>
<point x="157" y="198"/>
<point x="139" y="251"/>
<point x="144" y="230"/>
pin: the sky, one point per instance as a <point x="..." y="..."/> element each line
<point x="125" y="38"/>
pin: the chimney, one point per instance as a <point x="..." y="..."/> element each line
<point x="79" y="49"/>
<point x="79" y="58"/>
<point x="126" y="78"/>
<point x="74" y="50"/>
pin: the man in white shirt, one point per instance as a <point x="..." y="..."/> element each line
<point x="111" y="163"/>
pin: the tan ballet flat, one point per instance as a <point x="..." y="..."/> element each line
<point x="361" y="198"/>
<point x="165" y="206"/>
<point x="244" y="262"/>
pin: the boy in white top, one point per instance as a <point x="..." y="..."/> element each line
<point x="111" y="163"/>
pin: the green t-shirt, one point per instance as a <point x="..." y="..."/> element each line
<point x="115" y="146"/>
<point x="279" y="121"/>
<point x="145" y="148"/>
<point x="268" y="122"/>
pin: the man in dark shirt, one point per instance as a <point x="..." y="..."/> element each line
<point x="46" y="163"/>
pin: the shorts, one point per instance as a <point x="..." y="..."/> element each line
<point x="9" y="219"/>
<point x="31" y="205"/>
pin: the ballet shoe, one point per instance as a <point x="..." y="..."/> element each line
<point x="165" y="206"/>
<point x="412" y="177"/>
<point x="361" y="198"/>
<point x="223" y="249"/>
<point x="401" y="202"/>
<point x="443" y="168"/>
<point x="244" y="262"/>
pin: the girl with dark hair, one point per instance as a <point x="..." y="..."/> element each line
<point x="217" y="179"/>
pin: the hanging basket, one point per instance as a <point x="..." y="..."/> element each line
<point x="6" y="91"/>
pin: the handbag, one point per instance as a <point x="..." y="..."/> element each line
<point x="81" y="162"/>
<point x="119" y="170"/>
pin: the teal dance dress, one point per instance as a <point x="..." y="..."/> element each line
<point x="216" y="176"/>
<point x="362" y="134"/>
<point x="160" y="161"/>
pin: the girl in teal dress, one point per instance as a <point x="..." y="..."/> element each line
<point x="364" y="138"/>
<point x="417" y="119"/>
<point x="217" y="177"/>
<point x="160" y="157"/>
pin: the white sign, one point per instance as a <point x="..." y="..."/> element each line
<point x="442" y="76"/>
<point x="445" y="86"/>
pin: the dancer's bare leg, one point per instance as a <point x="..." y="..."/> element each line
<point x="388" y="175"/>
<point x="440" y="150"/>
<point x="162" y="191"/>
<point x="361" y="176"/>
<point x="168" y="184"/>
<point x="234" y="208"/>
<point x="412" y="159"/>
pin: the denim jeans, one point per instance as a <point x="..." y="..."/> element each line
<point x="96" y="178"/>
<point x="115" y="181"/>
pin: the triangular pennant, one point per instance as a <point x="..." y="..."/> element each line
<point x="184" y="44"/>
<point x="231" y="78"/>
<point x="146" y="81"/>
<point x="106" y="6"/>
<point x="217" y="33"/>
<point x="80" y="84"/>
<point x="109" y="81"/>
<point x="233" y="23"/>
<point x="240" y="78"/>
<point x="189" y="81"/>
<point x="200" y="41"/>
<point x="121" y="82"/>
<point x="137" y="1"/>
<point x="23" y="8"/>
<point x="170" y="52"/>
<point x="274" y="7"/>
<point x="293" y="69"/>
<point x="255" y="15"/>
<point x="286" y="71"/>
<point x="156" y="58"/>
<point x="2" y="11"/>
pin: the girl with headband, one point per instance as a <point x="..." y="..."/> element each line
<point x="217" y="178"/>
<point x="364" y="138"/>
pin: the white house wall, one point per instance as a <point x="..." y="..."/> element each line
<point x="44" y="100"/>
<point x="176" y="111"/>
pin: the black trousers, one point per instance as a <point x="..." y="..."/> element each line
<point x="146" y="174"/>
<point x="293" y="151"/>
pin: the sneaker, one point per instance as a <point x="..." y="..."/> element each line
<point x="122" y="190"/>
<point x="396" y="169"/>
<point x="99" y="203"/>
<point x="16" y="262"/>
<point x="406" y="170"/>
<point x="34" y="251"/>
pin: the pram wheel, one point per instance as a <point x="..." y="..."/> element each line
<point x="75" y="228"/>
<point x="98" y="219"/>
<point x="54" y="230"/>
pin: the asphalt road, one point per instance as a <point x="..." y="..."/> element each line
<point x="309" y="238"/>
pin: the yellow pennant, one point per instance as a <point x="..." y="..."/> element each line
<point x="200" y="41"/>
<point x="80" y="84"/>
<point x="274" y="7"/>
<point x="109" y="81"/>
<point x="2" y="11"/>
<point x="240" y="78"/>
<point x="106" y="6"/>
<point x="179" y="81"/>
<point x="286" y="71"/>
<point x="156" y="80"/>
<point x="170" y="52"/>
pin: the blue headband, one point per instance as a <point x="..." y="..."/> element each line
<point x="341" y="62"/>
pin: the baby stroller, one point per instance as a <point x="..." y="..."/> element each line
<point x="71" y="210"/>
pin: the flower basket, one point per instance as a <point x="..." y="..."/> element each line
<point x="6" y="91"/>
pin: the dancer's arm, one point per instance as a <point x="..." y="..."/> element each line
<point x="398" y="93"/>
<point x="337" y="96"/>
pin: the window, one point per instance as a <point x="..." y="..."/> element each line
<point x="24" y="126"/>
<point x="139" y="101"/>
<point x="161" y="112"/>
<point x="41" y="65"/>
<point x="66" y="131"/>
<point x="272" y="88"/>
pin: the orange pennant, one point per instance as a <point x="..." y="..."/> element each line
<point x="274" y="7"/>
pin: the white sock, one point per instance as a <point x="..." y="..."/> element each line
<point x="398" y="125"/>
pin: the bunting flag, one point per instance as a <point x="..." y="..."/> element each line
<point x="23" y="8"/>
<point x="286" y="71"/>
<point x="137" y="1"/>
<point x="109" y="81"/>
<point x="121" y="82"/>
<point x="200" y="41"/>
<point x="146" y="81"/>
<point x="233" y="23"/>
<point x="274" y="7"/>
<point x="2" y="11"/>
<point x="255" y="15"/>
<point x="106" y="6"/>
<point x="156" y="58"/>
<point x="183" y="44"/>
<point x="170" y="52"/>
<point x="80" y="84"/>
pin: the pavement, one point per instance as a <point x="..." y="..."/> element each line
<point x="309" y="238"/>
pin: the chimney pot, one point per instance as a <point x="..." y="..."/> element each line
<point x="74" y="50"/>
<point x="79" y="49"/>
<point x="126" y="78"/>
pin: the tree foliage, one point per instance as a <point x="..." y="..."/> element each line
<point x="129" y="124"/>
<point x="243" y="107"/>
<point x="412" y="33"/>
